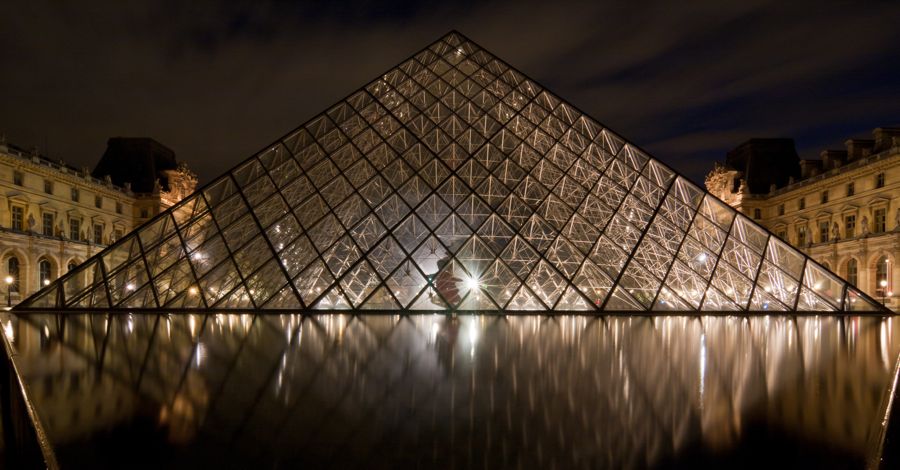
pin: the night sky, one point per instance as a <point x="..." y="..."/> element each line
<point x="217" y="83"/>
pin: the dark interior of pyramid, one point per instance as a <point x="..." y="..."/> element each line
<point x="452" y="182"/>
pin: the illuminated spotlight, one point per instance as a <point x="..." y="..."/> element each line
<point x="46" y="282"/>
<point x="472" y="283"/>
<point x="129" y="286"/>
<point x="192" y="290"/>
<point x="197" y="256"/>
<point x="701" y="257"/>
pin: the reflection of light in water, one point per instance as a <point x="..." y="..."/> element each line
<point x="130" y="323"/>
<point x="200" y="355"/>
<point x="473" y="336"/>
<point x="702" y="366"/>
<point x="8" y="330"/>
<point x="192" y="325"/>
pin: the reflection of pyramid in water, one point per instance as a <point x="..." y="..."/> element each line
<point x="452" y="182"/>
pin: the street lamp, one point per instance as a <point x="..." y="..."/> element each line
<point x="883" y="284"/>
<point x="9" y="280"/>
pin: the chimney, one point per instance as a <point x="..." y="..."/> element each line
<point x="810" y="168"/>
<point x="859" y="148"/>
<point x="833" y="158"/>
<point x="886" y="137"/>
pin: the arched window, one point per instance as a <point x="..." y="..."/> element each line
<point x="881" y="276"/>
<point x="70" y="266"/>
<point x="852" y="271"/>
<point x="12" y="270"/>
<point x="44" y="271"/>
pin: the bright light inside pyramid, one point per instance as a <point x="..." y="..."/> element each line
<point x="129" y="286"/>
<point x="702" y="257"/>
<point x="472" y="283"/>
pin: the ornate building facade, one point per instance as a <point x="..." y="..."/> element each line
<point x="843" y="209"/>
<point x="54" y="216"/>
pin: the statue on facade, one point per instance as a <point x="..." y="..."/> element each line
<point x="835" y="232"/>
<point x="31" y="222"/>
<point x="864" y="225"/>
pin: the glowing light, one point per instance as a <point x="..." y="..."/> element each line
<point x="46" y="282"/>
<point x="701" y="257"/>
<point x="472" y="283"/>
<point x="9" y="279"/>
<point x="883" y="283"/>
<point x="702" y="367"/>
<point x="192" y="290"/>
<point x="129" y="286"/>
<point x="8" y="330"/>
<point x="197" y="256"/>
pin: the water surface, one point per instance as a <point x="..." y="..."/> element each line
<point x="280" y="391"/>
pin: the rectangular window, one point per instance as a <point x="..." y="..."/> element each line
<point x="850" y="226"/>
<point x="47" y="224"/>
<point x="118" y="233"/>
<point x="781" y="209"/>
<point x="75" y="229"/>
<point x="48" y="186"/>
<point x="801" y="235"/>
<point x="880" y="218"/>
<point x="75" y="195"/>
<point x="757" y="214"/>
<point x="851" y="189"/>
<point x="802" y="203"/>
<point x="118" y="207"/>
<point x="823" y="231"/>
<point x="18" y="218"/>
<point x="98" y="202"/>
<point x="18" y="178"/>
<point x="98" y="233"/>
<point x="824" y="198"/>
<point x="879" y="180"/>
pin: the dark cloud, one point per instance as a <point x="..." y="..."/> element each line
<point x="216" y="82"/>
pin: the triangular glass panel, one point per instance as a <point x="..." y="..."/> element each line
<point x="333" y="300"/>
<point x="477" y="301"/>
<point x="381" y="299"/>
<point x="572" y="300"/>
<point x="525" y="300"/>
<point x="452" y="173"/>
<point x="621" y="300"/>
<point x="428" y="300"/>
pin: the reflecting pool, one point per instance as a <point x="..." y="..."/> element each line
<point x="379" y="391"/>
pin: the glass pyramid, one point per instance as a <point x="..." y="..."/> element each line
<point x="452" y="182"/>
